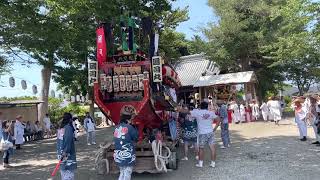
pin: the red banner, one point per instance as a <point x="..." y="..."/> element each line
<point x="101" y="46"/>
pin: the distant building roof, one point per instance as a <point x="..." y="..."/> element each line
<point x="190" y="68"/>
<point x="20" y="102"/>
<point x="230" y="78"/>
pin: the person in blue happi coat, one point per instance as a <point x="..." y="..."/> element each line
<point x="66" y="148"/>
<point x="124" y="154"/>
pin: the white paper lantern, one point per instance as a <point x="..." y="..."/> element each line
<point x="78" y="98"/>
<point x="83" y="99"/>
<point x="23" y="84"/>
<point x="34" y="89"/>
<point x="73" y="99"/>
<point x="12" y="82"/>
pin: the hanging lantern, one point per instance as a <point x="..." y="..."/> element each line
<point x="53" y="94"/>
<point x="78" y="98"/>
<point x="34" y="89"/>
<point x="23" y="84"/>
<point x="12" y="82"/>
<point x="83" y="99"/>
<point x="73" y="99"/>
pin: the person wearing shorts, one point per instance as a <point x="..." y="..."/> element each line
<point x="189" y="126"/>
<point x="206" y="131"/>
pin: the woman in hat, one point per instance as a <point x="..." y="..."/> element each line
<point x="300" y="118"/>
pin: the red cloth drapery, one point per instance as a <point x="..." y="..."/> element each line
<point x="101" y="46"/>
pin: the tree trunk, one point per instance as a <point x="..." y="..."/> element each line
<point x="44" y="93"/>
<point x="91" y="108"/>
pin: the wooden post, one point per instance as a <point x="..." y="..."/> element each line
<point x="200" y="95"/>
<point x="205" y="92"/>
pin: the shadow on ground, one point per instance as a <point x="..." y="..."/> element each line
<point x="250" y="157"/>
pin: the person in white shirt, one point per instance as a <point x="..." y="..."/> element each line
<point x="255" y="110"/>
<point x="275" y="110"/>
<point x="300" y="118"/>
<point x="47" y="125"/>
<point x="236" y="115"/>
<point x="264" y="111"/>
<point x="206" y="131"/>
<point x="242" y="113"/>
<point x="89" y="126"/>
<point x="19" y="132"/>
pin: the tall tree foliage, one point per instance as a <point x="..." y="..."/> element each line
<point x="4" y="65"/>
<point x="236" y="40"/>
<point x="296" y="49"/>
<point x="34" y="28"/>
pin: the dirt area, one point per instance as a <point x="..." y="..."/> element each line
<point x="259" y="151"/>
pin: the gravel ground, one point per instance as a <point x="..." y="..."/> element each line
<point x="260" y="151"/>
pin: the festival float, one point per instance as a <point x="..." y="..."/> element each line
<point x="125" y="79"/>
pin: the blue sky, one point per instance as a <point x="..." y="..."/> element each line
<point x="200" y="14"/>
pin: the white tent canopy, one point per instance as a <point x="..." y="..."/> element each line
<point x="231" y="78"/>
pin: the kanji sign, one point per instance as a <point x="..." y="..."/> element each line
<point x="156" y="69"/>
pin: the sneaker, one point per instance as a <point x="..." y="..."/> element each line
<point x="222" y="147"/>
<point x="199" y="165"/>
<point x="94" y="143"/>
<point x="197" y="158"/>
<point x="184" y="159"/>
<point x="229" y="146"/>
<point x="213" y="164"/>
<point x="317" y="142"/>
<point x="192" y="146"/>
<point x="89" y="144"/>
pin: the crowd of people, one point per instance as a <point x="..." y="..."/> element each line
<point x="271" y="110"/>
<point x="194" y="127"/>
<point x="14" y="133"/>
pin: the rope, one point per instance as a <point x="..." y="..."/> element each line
<point x="99" y="156"/>
<point x="159" y="159"/>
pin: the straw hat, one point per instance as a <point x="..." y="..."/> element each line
<point x="18" y="117"/>
<point x="299" y="100"/>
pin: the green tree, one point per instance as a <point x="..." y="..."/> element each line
<point x="198" y="45"/>
<point x="236" y="41"/>
<point x="4" y="65"/>
<point x="296" y="49"/>
<point x="34" y="28"/>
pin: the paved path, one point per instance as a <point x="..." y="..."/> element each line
<point x="259" y="151"/>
